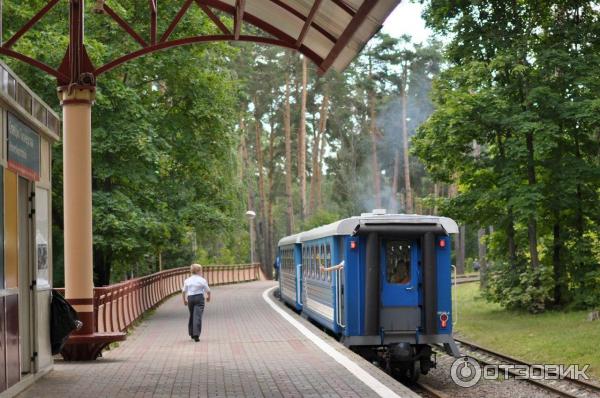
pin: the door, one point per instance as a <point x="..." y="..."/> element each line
<point x="26" y="272"/>
<point x="399" y="301"/>
<point x="399" y="260"/>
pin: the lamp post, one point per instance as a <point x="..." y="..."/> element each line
<point x="251" y="215"/>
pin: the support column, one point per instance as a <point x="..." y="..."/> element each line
<point x="77" y="193"/>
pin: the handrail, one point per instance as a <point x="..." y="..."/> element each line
<point x="118" y="306"/>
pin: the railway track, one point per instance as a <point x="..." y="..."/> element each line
<point x="433" y="392"/>
<point x="466" y="279"/>
<point x="566" y="387"/>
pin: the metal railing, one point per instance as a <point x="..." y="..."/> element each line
<point x="118" y="306"/>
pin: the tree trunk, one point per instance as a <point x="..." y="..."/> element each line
<point x="579" y="222"/>
<point x="436" y="195"/>
<point x="394" y="197"/>
<point x="320" y="175"/>
<point x="316" y="154"/>
<point x="460" y="254"/>
<point x="313" y="180"/>
<point x="288" y="158"/>
<point x="262" y="214"/>
<point x="270" y="244"/>
<point x="102" y="267"/>
<point x="560" y="283"/>
<point x="374" y="160"/>
<point x="510" y="219"/>
<point x="482" y="254"/>
<point x="302" y="140"/>
<point x="250" y="190"/>
<point x="407" y="185"/>
<point x="531" y="222"/>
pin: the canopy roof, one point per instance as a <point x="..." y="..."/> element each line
<point x="330" y="32"/>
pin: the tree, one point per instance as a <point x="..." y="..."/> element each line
<point x="520" y="84"/>
<point x="302" y="140"/>
<point x="163" y="162"/>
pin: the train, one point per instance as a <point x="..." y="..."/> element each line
<point x="379" y="282"/>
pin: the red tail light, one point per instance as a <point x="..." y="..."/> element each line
<point x="353" y="245"/>
<point x="444" y="319"/>
<point x="442" y="243"/>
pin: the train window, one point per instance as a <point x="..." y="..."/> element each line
<point x="319" y="259"/>
<point x="323" y="262"/>
<point x="313" y="264"/>
<point x="397" y="259"/>
<point x="313" y="258"/>
<point x="328" y="262"/>
<point x="304" y="261"/>
<point x="308" y="262"/>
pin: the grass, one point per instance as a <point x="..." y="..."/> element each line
<point x="552" y="337"/>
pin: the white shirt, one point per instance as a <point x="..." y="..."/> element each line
<point x="195" y="284"/>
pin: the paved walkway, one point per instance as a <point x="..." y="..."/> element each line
<point x="247" y="349"/>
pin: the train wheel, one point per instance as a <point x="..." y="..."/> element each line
<point x="407" y="371"/>
<point x="413" y="372"/>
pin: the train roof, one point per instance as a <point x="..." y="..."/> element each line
<point x="348" y="225"/>
<point x="289" y="240"/>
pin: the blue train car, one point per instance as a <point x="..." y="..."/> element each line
<point x="381" y="282"/>
<point x="290" y="282"/>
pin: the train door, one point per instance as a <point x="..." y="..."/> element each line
<point x="297" y="262"/>
<point x="26" y="273"/>
<point x="399" y="301"/>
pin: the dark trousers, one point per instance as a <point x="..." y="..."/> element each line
<point x="196" y="307"/>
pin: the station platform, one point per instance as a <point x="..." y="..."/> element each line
<point x="251" y="346"/>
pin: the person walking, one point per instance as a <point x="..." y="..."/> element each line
<point x="195" y="289"/>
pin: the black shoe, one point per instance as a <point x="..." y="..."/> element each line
<point x="196" y="338"/>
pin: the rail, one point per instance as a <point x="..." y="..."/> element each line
<point x="118" y="306"/>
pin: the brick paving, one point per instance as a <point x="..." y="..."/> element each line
<point x="246" y="350"/>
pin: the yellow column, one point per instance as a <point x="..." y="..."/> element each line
<point x="77" y="104"/>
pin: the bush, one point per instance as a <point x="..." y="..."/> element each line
<point x="586" y="292"/>
<point x="530" y="290"/>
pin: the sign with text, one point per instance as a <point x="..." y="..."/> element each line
<point x="23" y="149"/>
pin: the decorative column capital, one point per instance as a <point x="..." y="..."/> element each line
<point x="77" y="94"/>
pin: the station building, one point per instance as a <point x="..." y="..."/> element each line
<point x="29" y="127"/>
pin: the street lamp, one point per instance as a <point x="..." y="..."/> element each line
<point x="251" y="215"/>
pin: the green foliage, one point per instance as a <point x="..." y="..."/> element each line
<point x="531" y="290"/>
<point x="163" y="140"/>
<point x="321" y="217"/>
<point x="515" y="128"/>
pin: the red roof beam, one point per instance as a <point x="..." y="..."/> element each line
<point x="342" y="4"/>
<point x="33" y="62"/>
<point x="363" y="12"/>
<point x="153" y="20"/>
<point x="125" y="26"/>
<point x="298" y="14"/>
<point x="199" y="39"/>
<point x="25" y="28"/>
<point x="216" y="20"/>
<point x="308" y="22"/>
<point x="240" y="6"/>
<point x="175" y="20"/>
